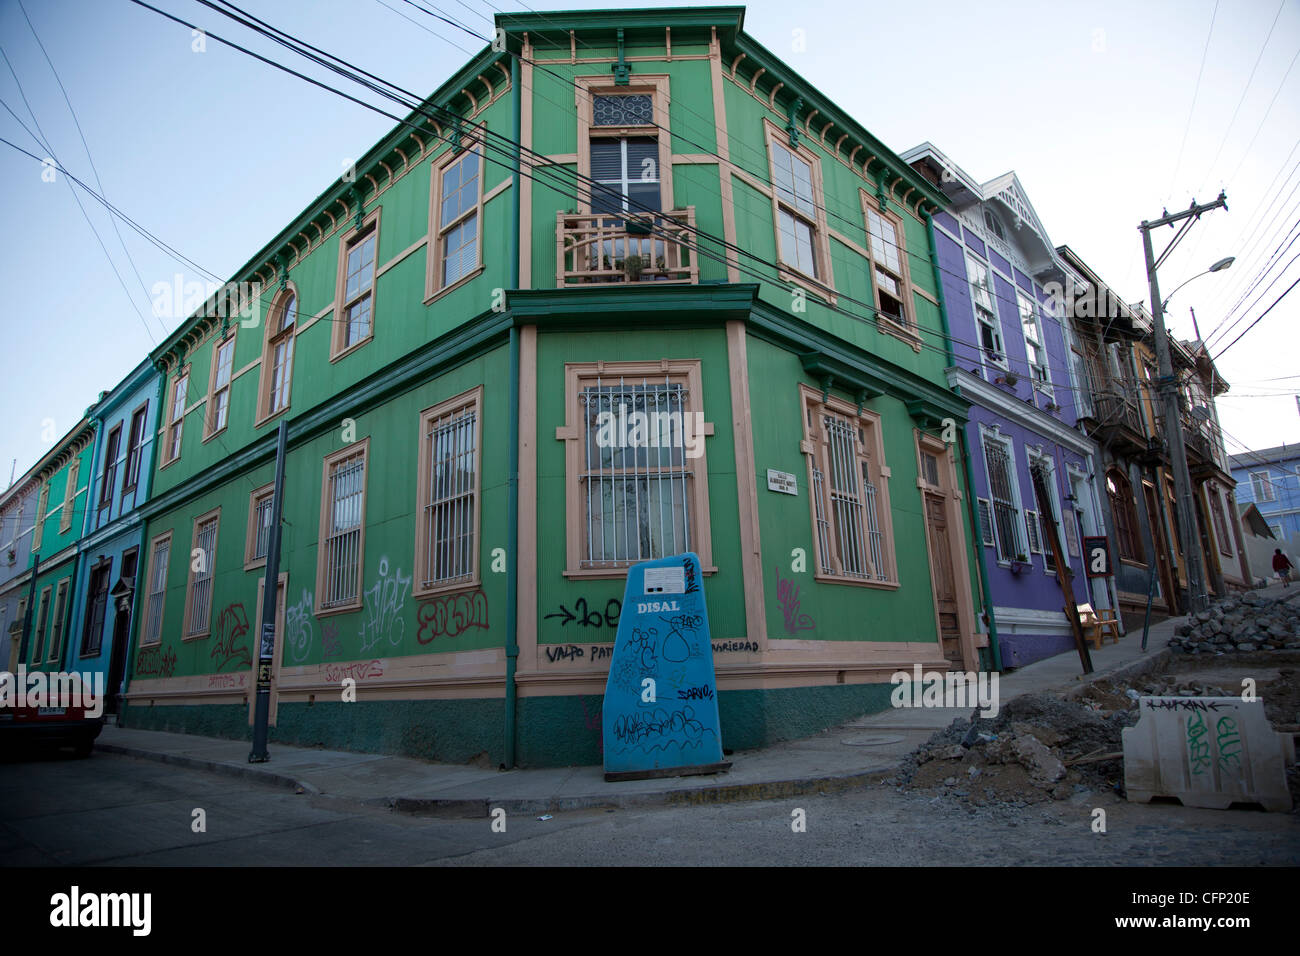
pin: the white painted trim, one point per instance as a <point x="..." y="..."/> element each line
<point x="1018" y="412"/>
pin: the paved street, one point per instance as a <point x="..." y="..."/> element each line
<point x="119" y="810"/>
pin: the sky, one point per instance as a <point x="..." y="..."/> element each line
<point x="1109" y="112"/>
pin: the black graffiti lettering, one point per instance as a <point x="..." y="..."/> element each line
<point x="720" y="646"/>
<point x="704" y="692"/>
<point x="564" y="652"/>
<point x="586" y="617"/>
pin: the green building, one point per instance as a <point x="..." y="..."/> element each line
<point x="617" y="217"/>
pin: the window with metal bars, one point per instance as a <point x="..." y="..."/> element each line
<point x="637" y="480"/>
<point x="161" y="551"/>
<point x="198" y="614"/>
<point x="849" y="504"/>
<point x="447" y="552"/>
<point x="343" y="509"/>
<point x="258" y="540"/>
<point x="1002" y="492"/>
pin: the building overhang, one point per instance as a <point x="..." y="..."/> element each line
<point x="980" y="393"/>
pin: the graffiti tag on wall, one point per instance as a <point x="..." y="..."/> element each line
<point x="452" y="615"/>
<point x="580" y="616"/>
<point x="298" y="630"/>
<point x="787" y="594"/>
<point x="384" y="602"/>
<point x="155" y="662"/>
<point x="356" y="671"/>
<point x="231" y="628"/>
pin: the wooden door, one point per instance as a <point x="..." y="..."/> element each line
<point x="941" y="575"/>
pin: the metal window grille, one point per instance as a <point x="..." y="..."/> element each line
<point x="449" y="515"/>
<point x="157" y="590"/>
<point x="986" y="521"/>
<point x="1003" y="497"/>
<point x="823" y="525"/>
<point x="1035" y="532"/>
<point x="930" y="468"/>
<point x="637" y="481"/>
<point x="201" y="595"/>
<point x="848" y="499"/>
<point x="262" y="527"/>
<point x="343" y="541"/>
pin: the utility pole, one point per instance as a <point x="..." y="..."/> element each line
<point x="270" y="601"/>
<point x="1167" y="387"/>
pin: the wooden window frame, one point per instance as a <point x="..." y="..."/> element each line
<point x="41" y="623"/>
<point x="358" y="234"/>
<point x="176" y="424"/>
<point x="909" y="329"/>
<point x="42" y="512"/>
<point x="154" y="542"/>
<point x="213" y="516"/>
<point x="108" y="475"/>
<point x="270" y="340"/>
<point x="457" y="405"/>
<point x="1219" y="519"/>
<point x="210" y="429"/>
<point x="59" y="619"/>
<point x="586" y="88"/>
<point x="433" y="284"/>
<point x="130" y="478"/>
<point x="815" y="447"/>
<point x="573" y="433"/>
<point x="70" y="495"/>
<point x="1266" y="483"/>
<point x="362" y="447"/>
<point x="251" y="560"/>
<point x="1021" y="544"/>
<point x="1126" y="520"/>
<point x="821" y="285"/>
<point x="1004" y="362"/>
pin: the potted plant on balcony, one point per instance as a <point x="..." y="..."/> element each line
<point x="1007" y="378"/>
<point x="633" y="266"/>
<point x="11" y="555"/>
<point x="1020" y="564"/>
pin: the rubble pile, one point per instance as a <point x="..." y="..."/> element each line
<point x="1250" y="622"/>
<point x="1038" y="748"/>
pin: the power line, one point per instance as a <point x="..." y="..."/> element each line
<point x="1196" y="92"/>
<point x="1257" y="321"/>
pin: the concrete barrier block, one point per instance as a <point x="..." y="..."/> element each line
<point x="1207" y="752"/>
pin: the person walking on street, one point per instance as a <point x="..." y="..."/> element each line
<point x="1282" y="567"/>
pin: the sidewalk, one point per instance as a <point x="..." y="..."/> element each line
<point x="843" y="757"/>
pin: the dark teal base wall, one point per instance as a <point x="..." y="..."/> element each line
<point x="445" y="731"/>
<point x="553" y="731"/>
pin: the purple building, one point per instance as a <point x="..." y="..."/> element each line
<point x="1034" y="471"/>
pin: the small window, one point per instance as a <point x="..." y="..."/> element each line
<point x="159" y="553"/>
<point x="994" y="225"/>
<point x="1071" y="534"/>
<point x="277" y="355"/>
<point x="70" y="492"/>
<point x="258" y="541"/>
<point x="341" y="552"/>
<point x="60" y="612"/>
<point x="93" y="638"/>
<point x="629" y="109"/>
<point x="885" y="242"/>
<point x="458" y="190"/>
<point x="355" y="300"/>
<point x="135" y="448"/>
<point x="203" y="555"/>
<point x="1035" y="532"/>
<point x="223" y="362"/>
<point x="448" y="546"/>
<point x="42" y="619"/>
<point x="176" y="417"/>
<point x="1262" y="486"/>
<point x="1005" y="496"/>
<point x="849" y="489"/>
<point x="109" y="477"/>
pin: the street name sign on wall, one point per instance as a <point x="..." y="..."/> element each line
<point x="660" y="717"/>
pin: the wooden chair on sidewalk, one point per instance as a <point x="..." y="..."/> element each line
<point x="1098" y="624"/>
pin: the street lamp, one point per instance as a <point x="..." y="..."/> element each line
<point x="1217" y="267"/>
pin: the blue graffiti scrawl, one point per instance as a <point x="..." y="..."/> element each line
<point x="661" y="709"/>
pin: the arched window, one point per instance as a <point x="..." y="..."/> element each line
<point x="277" y="355"/>
<point x="994" y="225"/>
<point x="1120" y="493"/>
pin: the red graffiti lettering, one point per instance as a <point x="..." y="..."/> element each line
<point x="452" y="615"/>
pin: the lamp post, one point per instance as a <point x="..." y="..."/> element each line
<point x="1167" y="387"/>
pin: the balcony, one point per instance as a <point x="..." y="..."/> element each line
<point x="648" y="247"/>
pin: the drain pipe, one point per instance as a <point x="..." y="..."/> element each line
<point x="980" y="566"/>
<point x="512" y="494"/>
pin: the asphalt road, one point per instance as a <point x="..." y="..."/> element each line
<point x="124" y="811"/>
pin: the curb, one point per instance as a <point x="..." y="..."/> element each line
<point x="214" y="766"/>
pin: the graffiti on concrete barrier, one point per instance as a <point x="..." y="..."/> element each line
<point x="580" y="616"/>
<point x="155" y="662"/>
<point x="695" y="693"/>
<point x="1228" y="740"/>
<point x="358" y="670"/>
<point x="661" y="730"/>
<point x="787" y="593"/>
<point x="329" y="640"/>
<point x="298" y="630"/>
<point x="1187" y="703"/>
<point x="452" y="615"/>
<point x="1198" y="747"/>
<point x="230" y="630"/>
<point x="384" y="602"/>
